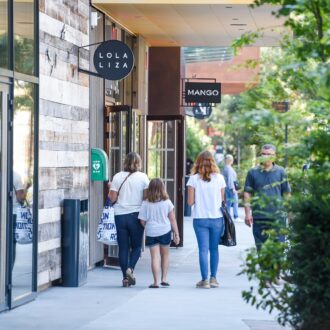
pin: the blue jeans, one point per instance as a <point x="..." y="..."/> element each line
<point x="208" y="233"/>
<point x="231" y="201"/>
<point x="129" y="237"/>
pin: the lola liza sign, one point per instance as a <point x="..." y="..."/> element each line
<point x="113" y="60"/>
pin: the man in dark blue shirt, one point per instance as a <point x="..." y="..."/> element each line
<point x="264" y="189"/>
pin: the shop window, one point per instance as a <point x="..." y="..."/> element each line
<point x="23" y="186"/>
<point x="4" y="50"/>
<point x="24" y="40"/>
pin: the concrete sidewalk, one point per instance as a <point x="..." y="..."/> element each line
<point x="103" y="304"/>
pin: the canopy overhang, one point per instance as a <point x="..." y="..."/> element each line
<point x="185" y="23"/>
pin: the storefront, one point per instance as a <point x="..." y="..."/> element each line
<point x="119" y="113"/>
<point x="19" y="85"/>
<point x="129" y="125"/>
<point x="52" y="113"/>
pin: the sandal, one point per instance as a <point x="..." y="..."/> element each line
<point x="166" y="284"/>
<point x="125" y="283"/>
<point x="130" y="276"/>
<point x="152" y="286"/>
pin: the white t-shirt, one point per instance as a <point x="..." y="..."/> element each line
<point x="156" y="217"/>
<point x="131" y="193"/>
<point x="18" y="185"/>
<point x="208" y="197"/>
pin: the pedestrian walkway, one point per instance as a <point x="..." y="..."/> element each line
<point x="103" y="304"/>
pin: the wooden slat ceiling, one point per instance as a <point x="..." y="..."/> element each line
<point x="190" y="23"/>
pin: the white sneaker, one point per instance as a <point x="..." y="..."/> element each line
<point x="203" y="284"/>
<point x="130" y="276"/>
<point x="213" y="282"/>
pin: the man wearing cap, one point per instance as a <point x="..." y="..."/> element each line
<point x="266" y="186"/>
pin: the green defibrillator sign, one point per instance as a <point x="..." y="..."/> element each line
<point x="99" y="165"/>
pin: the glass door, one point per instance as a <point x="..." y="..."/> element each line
<point x="22" y="219"/>
<point x="4" y="97"/>
<point x="117" y="139"/>
<point x="138" y="135"/>
<point x="124" y="132"/>
<point x="161" y="155"/>
<point x="165" y="160"/>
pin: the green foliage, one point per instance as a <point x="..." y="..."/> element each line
<point x="25" y="98"/>
<point x="268" y="267"/>
<point x="4" y="50"/>
<point x="309" y="254"/>
<point x="196" y="139"/>
<point x="245" y="40"/>
<point x="300" y="75"/>
<point x="309" y="20"/>
<point x="24" y="55"/>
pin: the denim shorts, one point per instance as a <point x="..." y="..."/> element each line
<point x="163" y="240"/>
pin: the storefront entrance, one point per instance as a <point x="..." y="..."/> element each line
<point x="18" y="188"/>
<point x="124" y="132"/>
<point x="165" y="158"/>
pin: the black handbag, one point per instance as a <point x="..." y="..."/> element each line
<point x="229" y="236"/>
<point x="237" y="185"/>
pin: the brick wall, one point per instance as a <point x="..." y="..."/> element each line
<point x="63" y="123"/>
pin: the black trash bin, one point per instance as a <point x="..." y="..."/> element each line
<point x="74" y="242"/>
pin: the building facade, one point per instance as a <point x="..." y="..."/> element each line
<point x="54" y="109"/>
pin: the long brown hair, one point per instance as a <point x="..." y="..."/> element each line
<point x="156" y="191"/>
<point x="205" y="165"/>
<point x="132" y="162"/>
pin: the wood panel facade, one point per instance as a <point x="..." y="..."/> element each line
<point x="96" y="189"/>
<point x="64" y="124"/>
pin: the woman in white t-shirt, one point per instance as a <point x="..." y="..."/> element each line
<point x="206" y="189"/>
<point x="157" y="215"/>
<point x="128" y="189"/>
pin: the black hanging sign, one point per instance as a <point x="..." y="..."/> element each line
<point x="202" y="92"/>
<point x="113" y="60"/>
<point x="202" y="112"/>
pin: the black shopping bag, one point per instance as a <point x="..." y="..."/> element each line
<point x="229" y="236"/>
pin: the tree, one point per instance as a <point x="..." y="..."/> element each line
<point x="304" y="262"/>
<point x="196" y="139"/>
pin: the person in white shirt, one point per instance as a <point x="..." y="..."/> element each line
<point x="231" y="194"/>
<point x="19" y="196"/>
<point x="127" y="190"/>
<point x="206" y="191"/>
<point x="20" y="191"/>
<point x="157" y="215"/>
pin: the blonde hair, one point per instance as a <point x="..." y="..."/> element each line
<point x="156" y="191"/>
<point x="205" y="165"/>
<point x="132" y="162"/>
